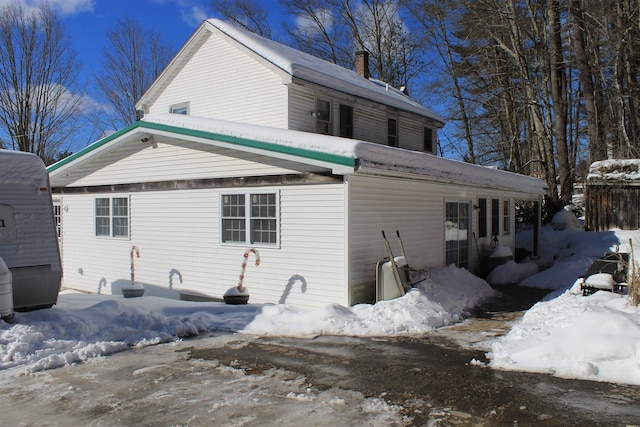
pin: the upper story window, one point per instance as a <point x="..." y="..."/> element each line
<point x="323" y="116"/>
<point x="181" y="108"/>
<point x="112" y="217"/>
<point x="346" y="121"/>
<point x="428" y="140"/>
<point x="392" y="132"/>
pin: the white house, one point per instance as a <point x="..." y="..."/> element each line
<point x="193" y="194"/>
<point x="237" y="149"/>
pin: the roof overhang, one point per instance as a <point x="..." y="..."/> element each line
<point x="339" y="156"/>
<point x="337" y="164"/>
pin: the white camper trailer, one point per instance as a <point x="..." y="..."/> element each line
<point x="28" y="238"/>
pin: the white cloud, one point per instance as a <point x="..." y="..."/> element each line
<point x="64" y="7"/>
<point x="193" y="14"/>
<point x="307" y="25"/>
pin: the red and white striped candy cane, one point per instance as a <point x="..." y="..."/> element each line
<point x="244" y="264"/>
<point x="134" y="249"/>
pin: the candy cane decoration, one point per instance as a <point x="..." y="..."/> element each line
<point x="134" y="249"/>
<point x="244" y="264"/>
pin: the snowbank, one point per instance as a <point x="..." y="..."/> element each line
<point x="589" y="337"/>
<point x="83" y="326"/>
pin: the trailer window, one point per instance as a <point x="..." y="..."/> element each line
<point x="257" y="224"/>
<point x="112" y="217"/>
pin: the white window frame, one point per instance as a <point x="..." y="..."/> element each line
<point x="506" y="217"/>
<point x="247" y="220"/>
<point x="112" y="217"/>
<point x="328" y="121"/>
<point x="467" y="245"/>
<point x="180" y="108"/>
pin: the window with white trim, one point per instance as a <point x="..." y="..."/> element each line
<point x="457" y="233"/>
<point x="323" y="116"/>
<point x="181" y="108"/>
<point x="112" y="217"/>
<point x="506" y="217"/>
<point x="250" y="218"/>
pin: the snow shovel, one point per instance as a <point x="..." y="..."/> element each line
<point x="394" y="266"/>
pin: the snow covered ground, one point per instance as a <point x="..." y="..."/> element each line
<point x="568" y="335"/>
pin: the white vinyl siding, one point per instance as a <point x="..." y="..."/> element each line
<point x="222" y="82"/>
<point x="369" y="119"/>
<point x="416" y="209"/>
<point x="178" y="234"/>
<point x="184" y="160"/>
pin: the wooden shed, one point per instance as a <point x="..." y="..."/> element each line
<point x="612" y="195"/>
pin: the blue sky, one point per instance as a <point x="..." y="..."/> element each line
<point x="86" y="23"/>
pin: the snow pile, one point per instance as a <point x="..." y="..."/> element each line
<point x="512" y="273"/>
<point x="83" y="326"/>
<point x="573" y="336"/>
<point x="570" y="335"/>
<point x="567" y="219"/>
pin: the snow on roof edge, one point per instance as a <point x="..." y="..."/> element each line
<point x="369" y="154"/>
<point x="308" y="67"/>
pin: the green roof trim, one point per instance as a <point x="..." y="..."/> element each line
<point x="89" y="148"/>
<point x="243" y="142"/>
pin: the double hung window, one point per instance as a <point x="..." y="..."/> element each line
<point x="250" y="218"/>
<point x="323" y="116"/>
<point x="112" y="217"/>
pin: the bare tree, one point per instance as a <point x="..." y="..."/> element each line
<point x="245" y="14"/>
<point x="335" y="29"/>
<point x="132" y="61"/>
<point x="38" y="110"/>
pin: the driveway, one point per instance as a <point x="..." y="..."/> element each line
<point x="243" y="380"/>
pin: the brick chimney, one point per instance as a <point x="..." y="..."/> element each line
<point x="362" y="63"/>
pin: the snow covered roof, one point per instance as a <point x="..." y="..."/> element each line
<point x="621" y="171"/>
<point x="342" y="156"/>
<point x="299" y="65"/>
